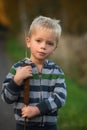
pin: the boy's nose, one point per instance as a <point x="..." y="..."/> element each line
<point x="43" y="46"/>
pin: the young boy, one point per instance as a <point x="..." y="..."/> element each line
<point x="47" y="85"/>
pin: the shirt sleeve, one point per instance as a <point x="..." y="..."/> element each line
<point x="10" y="90"/>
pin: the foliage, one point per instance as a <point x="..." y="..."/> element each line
<point x="12" y="11"/>
<point x="72" y="13"/>
<point x="15" y="49"/>
<point x="3" y="19"/>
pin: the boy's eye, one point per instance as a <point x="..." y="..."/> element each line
<point x="50" y="43"/>
<point x="38" y="40"/>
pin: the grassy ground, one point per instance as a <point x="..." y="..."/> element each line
<point x="15" y="49"/>
<point x="73" y="116"/>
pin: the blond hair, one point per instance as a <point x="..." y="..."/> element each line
<point x="48" y="23"/>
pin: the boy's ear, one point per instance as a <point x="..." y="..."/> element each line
<point x="28" y="42"/>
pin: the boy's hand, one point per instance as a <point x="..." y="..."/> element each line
<point x="30" y="111"/>
<point x="22" y="73"/>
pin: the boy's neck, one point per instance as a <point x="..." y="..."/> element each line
<point x="39" y="64"/>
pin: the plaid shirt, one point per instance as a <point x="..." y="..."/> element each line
<point x="47" y="92"/>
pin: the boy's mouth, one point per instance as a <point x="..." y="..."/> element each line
<point x="41" y="53"/>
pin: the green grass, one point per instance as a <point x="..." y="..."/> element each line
<point x="73" y="116"/>
<point x="15" y="49"/>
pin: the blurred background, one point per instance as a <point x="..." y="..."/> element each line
<point x="15" y="19"/>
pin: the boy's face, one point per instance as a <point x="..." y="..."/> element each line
<point x="42" y="43"/>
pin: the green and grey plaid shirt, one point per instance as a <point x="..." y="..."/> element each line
<point x="47" y="92"/>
